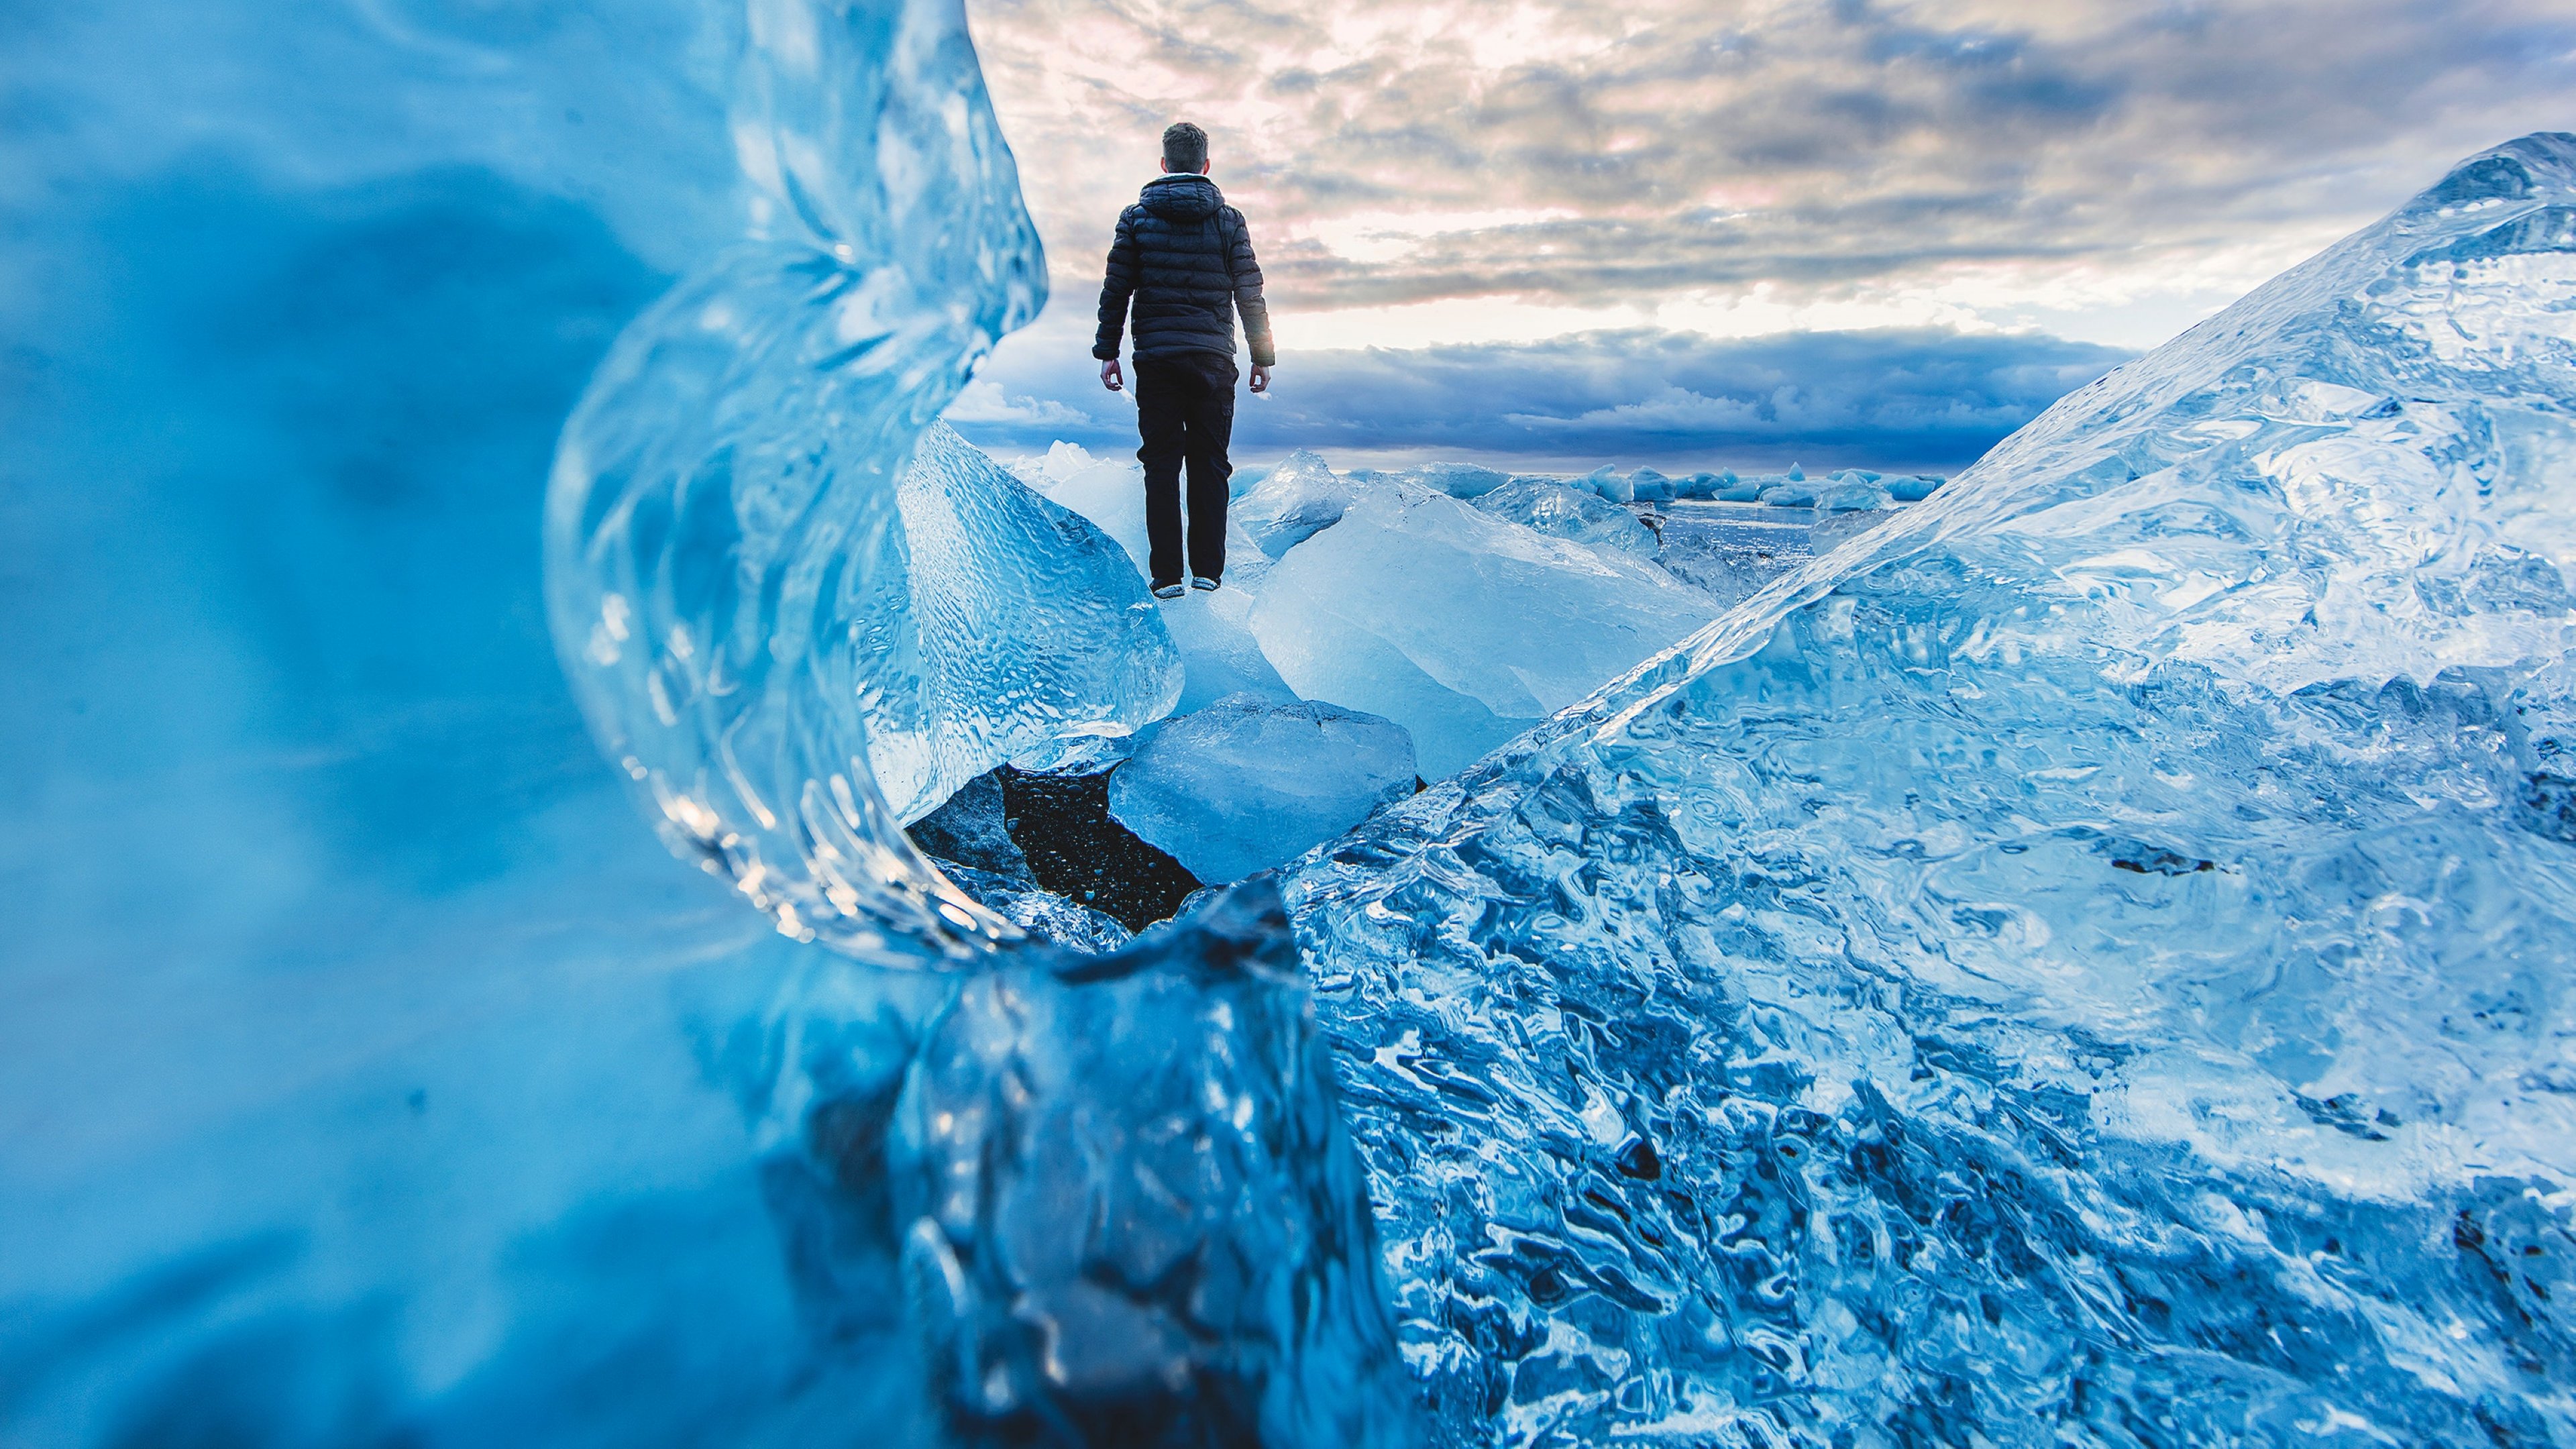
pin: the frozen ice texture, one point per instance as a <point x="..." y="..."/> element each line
<point x="2087" y="961"/>
<point x="1853" y="491"/>
<point x="1458" y="480"/>
<point x="1218" y="653"/>
<point x="1729" y="551"/>
<point x="404" y="1112"/>
<point x="1837" y="1029"/>
<point x="1292" y="502"/>
<point x="1460" y="626"/>
<point x="1035" y="634"/>
<point x="1133" y="1216"/>
<point x="1562" y="512"/>
<point x="1605" y="480"/>
<point x="792" y="631"/>
<point x="1252" y="781"/>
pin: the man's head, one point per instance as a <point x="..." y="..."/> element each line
<point x="1184" y="147"/>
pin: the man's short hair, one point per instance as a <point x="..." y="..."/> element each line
<point x="1184" y="147"/>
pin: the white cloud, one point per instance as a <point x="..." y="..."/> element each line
<point x="982" y="401"/>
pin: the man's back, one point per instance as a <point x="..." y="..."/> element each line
<point x="1186" y="260"/>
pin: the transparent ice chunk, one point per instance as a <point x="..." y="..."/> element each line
<point x="1126" y="1206"/>
<point x="1036" y="634"/>
<point x="1251" y="781"/>
<point x="1293" y="501"/>
<point x="1554" y="509"/>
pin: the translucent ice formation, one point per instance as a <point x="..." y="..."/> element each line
<point x="2088" y="961"/>
<point x="1562" y="512"/>
<point x="1294" y="501"/>
<point x="1461" y="627"/>
<point x="1458" y="480"/>
<point x="1251" y="781"/>
<point x="413" y="1110"/>
<point x="1035" y="635"/>
<point x="1607" y="482"/>
<point x="1218" y="653"/>
<point x="789" y="643"/>
<point x="1729" y="551"/>
<point x="1133" y="1215"/>
<point x="1852" y="490"/>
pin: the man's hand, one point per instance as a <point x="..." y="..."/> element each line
<point x="1260" y="378"/>
<point x="1109" y="377"/>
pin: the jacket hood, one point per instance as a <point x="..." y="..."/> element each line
<point x="1182" y="197"/>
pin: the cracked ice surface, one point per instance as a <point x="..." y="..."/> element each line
<point x="2086" y="961"/>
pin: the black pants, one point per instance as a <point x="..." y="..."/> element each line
<point x="1185" y="409"/>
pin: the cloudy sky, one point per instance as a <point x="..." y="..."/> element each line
<point x="1700" y="232"/>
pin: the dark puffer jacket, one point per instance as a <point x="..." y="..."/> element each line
<point x="1186" y="258"/>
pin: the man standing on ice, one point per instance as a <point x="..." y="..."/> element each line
<point x="1186" y="258"/>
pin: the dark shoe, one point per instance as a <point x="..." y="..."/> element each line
<point x="1203" y="585"/>
<point x="1167" y="591"/>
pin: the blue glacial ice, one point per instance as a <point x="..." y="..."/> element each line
<point x="1293" y="502"/>
<point x="2085" y="962"/>
<point x="1462" y="627"/>
<point x="1253" y="781"/>
<point x="2082" y="962"/>
<point x="1218" y="654"/>
<point x="1561" y="512"/>
<point x="788" y="628"/>
<point x="369" y="1074"/>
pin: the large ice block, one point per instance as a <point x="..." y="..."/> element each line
<point x="2088" y="961"/>
<point x="1251" y="781"/>
<point x="1460" y="626"/>
<point x="1034" y="635"/>
<point x="370" y="1076"/>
